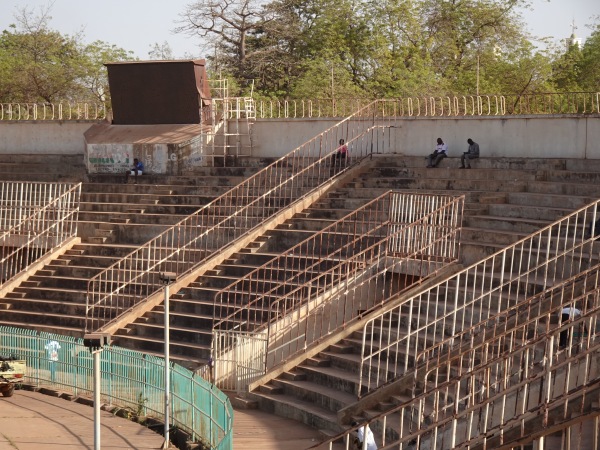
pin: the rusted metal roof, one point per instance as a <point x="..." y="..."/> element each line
<point x="142" y="134"/>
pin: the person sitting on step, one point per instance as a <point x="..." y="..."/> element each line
<point x="137" y="169"/>
<point x="440" y="152"/>
<point x="364" y="433"/>
<point x="471" y="153"/>
<point x="341" y="152"/>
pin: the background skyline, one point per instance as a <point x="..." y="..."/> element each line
<point x="137" y="25"/>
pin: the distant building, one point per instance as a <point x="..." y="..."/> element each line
<point x="573" y="40"/>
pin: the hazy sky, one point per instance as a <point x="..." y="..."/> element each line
<point x="137" y="24"/>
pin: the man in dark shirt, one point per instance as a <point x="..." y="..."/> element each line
<point x="471" y="153"/>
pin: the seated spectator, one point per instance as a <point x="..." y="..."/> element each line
<point x="364" y="433"/>
<point x="471" y="153"/>
<point x="438" y="154"/>
<point x="594" y="227"/>
<point x="137" y="169"/>
<point x="567" y="313"/>
<point x="342" y="151"/>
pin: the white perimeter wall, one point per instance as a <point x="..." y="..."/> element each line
<point x="29" y="137"/>
<point x="529" y="137"/>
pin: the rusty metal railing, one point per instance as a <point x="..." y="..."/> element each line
<point x="438" y="106"/>
<point x="543" y="103"/>
<point x="180" y="249"/>
<point x="530" y="372"/>
<point x="52" y="111"/>
<point x="35" y="218"/>
<point x="472" y="295"/>
<point x="275" y="311"/>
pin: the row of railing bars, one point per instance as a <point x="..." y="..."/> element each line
<point x="422" y="228"/>
<point x="582" y="250"/>
<point x="184" y="246"/>
<point x="491" y="376"/>
<point x="53" y="111"/>
<point x="438" y="106"/>
<point x="517" y="266"/>
<point x="43" y="217"/>
<point x="392" y="209"/>
<point x="20" y="199"/>
<point x="416" y="106"/>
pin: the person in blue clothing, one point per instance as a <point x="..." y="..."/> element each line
<point x="137" y="169"/>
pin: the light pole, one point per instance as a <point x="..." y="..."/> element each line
<point x="167" y="278"/>
<point x="96" y="342"/>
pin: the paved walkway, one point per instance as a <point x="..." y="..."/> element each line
<point x="254" y="429"/>
<point x="34" y="421"/>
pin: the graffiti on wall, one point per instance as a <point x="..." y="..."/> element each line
<point x="109" y="158"/>
<point x="158" y="158"/>
<point x="118" y="158"/>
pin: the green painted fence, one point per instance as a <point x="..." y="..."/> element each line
<point x="130" y="379"/>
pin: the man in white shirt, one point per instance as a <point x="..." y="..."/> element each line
<point x="370" y="438"/>
<point x="440" y="152"/>
<point x="567" y="313"/>
<point x="52" y="348"/>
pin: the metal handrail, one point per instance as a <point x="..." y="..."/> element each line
<point x="440" y="106"/>
<point x="546" y="257"/>
<point x="129" y="379"/>
<point x="390" y="210"/>
<point x="183" y="247"/>
<point x="471" y="408"/>
<point x="389" y="233"/>
<point x="37" y="218"/>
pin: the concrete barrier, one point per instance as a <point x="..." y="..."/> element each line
<point x="549" y="136"/>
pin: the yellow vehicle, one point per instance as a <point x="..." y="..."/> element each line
<point x="12" y="373"/>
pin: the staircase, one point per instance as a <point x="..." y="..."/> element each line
<point x="114" y="220"/>
<point x="503" y="204"/>
<point x="193" y="311"/>
<point x="511" y="384"/>
<point x="318" y="388"/>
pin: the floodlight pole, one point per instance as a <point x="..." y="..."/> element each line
<point x="167" y="278"/>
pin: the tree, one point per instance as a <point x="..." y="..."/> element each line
<point x="94" y="78"/>
<point x="38" y="64"/>
<point x="226" y="24"/>
<point x="566" y="68"/>
<point x="589" y="65"/>
<point x="160" y="51"/>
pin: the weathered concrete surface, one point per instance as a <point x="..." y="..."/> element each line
<point x="498" y="136"/>
<point x="33" y="421"/>
<point x="253" y="429"/>
<point x="533" y="136"/>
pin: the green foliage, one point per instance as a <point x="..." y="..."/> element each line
<point x="589" y="65"/>
<point x="566" y="70"/>
<point x="38" y="64"/>
<point x="337" y="48"/>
